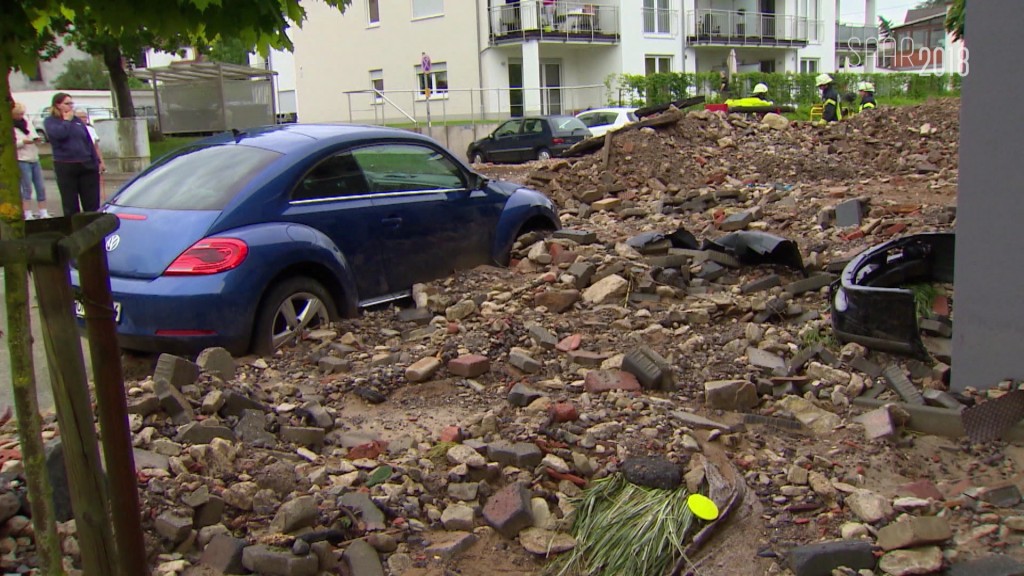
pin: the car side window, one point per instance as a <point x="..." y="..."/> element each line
<point x="533" y="126"/>
<point x="408" y="168"/>
<point x="336" y="176"/>
<point x="591" y="120"/>
<point x="510" y="128"/>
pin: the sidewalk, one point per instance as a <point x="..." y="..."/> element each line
<point x="111" y="183"/>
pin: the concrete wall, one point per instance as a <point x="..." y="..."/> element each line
<point x="458" y="138"/>
<point x="988" y="340"/>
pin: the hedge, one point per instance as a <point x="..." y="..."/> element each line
<point x="797" y="89"/>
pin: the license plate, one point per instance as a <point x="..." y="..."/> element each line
<point x="80" y="310"/>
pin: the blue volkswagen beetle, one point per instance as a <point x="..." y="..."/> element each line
<point x="245" y="240"/>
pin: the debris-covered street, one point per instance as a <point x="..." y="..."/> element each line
<point x="676" y="334"/>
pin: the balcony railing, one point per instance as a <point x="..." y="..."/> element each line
<point x="855" y="38"/>
<point x="750" y="28"/>
<point x="660" y="21"/>
<point x="563" y="21"/>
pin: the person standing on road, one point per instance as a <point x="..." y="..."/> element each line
<point x="25" y="140"/>
<point x="829" y="99"/>
<point x="867" y="96"/>
<point x="75" y="161"/>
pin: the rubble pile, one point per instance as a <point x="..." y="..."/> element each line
<point x="675" y="318"/>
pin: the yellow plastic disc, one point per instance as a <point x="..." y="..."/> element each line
<point x="702" y="507"/>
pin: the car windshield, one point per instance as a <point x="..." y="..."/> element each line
<point x="196" y="178"/>
<point x="567" y="123"/>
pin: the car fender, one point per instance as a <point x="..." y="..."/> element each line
<point x="276" y="243"/>
<point x="523" y="205"/>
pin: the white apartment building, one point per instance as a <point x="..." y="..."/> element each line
<point x="468" y="59"/>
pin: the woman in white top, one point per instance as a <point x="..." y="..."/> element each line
<point x="25" y="139"/>
<point x="83" y="114"/>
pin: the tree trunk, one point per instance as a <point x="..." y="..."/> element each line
<point x="118" y="81"/>
<point x="19" y="344"/>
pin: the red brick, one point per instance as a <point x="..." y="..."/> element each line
<point x="452" y="328"/>
<point x="896" y="228"/>
<point x="469" y="366"/>
<point x="451" y="434"/>
<point x="549" y="278"/>
<point x="563" y="256"/>
<point x="940" y="305"/>
<point x="563" y="412"/>
<point x="508" y="511"/>
<point x="369" y="450"/>
<point x="569" y="343"/>
<point x="922" y="488"/>
<point x="855" y="235"/>
<point x="598" y="381"/>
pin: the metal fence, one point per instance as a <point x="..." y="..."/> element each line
<point x="470" y="106"/>
<point x="563" y="21"/>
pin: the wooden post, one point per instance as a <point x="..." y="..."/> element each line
<point x="89" y="496"/>
<point x="108" y="380"/>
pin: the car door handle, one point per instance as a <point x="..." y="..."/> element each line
<point x="392" y="222"/>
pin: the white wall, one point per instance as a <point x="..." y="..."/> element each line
<point x="282" y="62"/>
<point x="48" y="70"/>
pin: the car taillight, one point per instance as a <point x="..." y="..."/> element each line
<point x="209" y="256"/>
<point x="558" y="140"/>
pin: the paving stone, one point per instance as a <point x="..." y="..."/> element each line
<point x="173" y="526"/>
<point x="419" y="316"/>
<point x="849" y="213"/>
<point x="317" y="414"/>
<point x="143" y="405"/>
<point x="333" y="365"/>
<point x="423" y="369"/>
<point x="812" y="282"/>
<point x="761" y="284"/>
<point x="913" y="532"/>
<point x="469" y="365"/>
<point x="586" y="358"/>
<point x="522" y="360"/>
<point x="175" y="370"/>
<point x="927" y="560"/>
<point x="600" y="381"/>
<point x="363" y="559"/>
<point x="224" y="554"/>
<point x="446" y="545"/>
<point x="866" y="366"/>
<point x="252" y="429"/>
<point x="877" y="423"/>
<point x="236" y="404"/>
<point x="271" y="561"/>
<point x="936" y="327"/>
<point x="737" y="221"/>
<point x="458" y="517"/>
<point x="942" y="399"/>
<point x="218" y="362"/>
<point x="606" y="289"/>
<point x="583" y="272"/>
<point x="995" y="565"/>
<point x="583" y="237"/>
<point x="1006" y="496"/>
<point x="711" y="271"/>
<point x="899" y="382"/>
<point x="557" y="301"/>
<point x="522" y="395"/>
<point x="801" y="358"/>
<point x="173" y="402"/>
<point x="196" y="433"/>
<point x="304" y="435"/>
<point x="210" y="513"/>
<point x="822" y="558"/>
<point x="525" y="455"/>
<point x="464" y="491"/>
<point x="730" y="394"/>
<point x="647" y="371"/>
<point x="508" y="510"/>
<point x="369" y="513"/>
<point x="765" y="359"/>
<point x="542" y="336"/>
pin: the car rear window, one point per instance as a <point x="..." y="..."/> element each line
<point x="196" y="178"/>
<point x="567" y="123"/>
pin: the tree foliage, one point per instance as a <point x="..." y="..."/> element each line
<point x="955" y="19"/>
<point x="229" y="50"/>
<point x="884" y="27"/>
<point x="83" y="74"/>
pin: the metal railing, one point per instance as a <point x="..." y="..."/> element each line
<point x="660" y="21"/>
<point x="563" y="21"/>
<point x="740" y="27"/>
<point x="472" y="105"/>
<point x="856" y="37"/>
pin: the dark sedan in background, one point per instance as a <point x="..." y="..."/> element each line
<point x="247" y="240"/>
<point x="530" y="138"/>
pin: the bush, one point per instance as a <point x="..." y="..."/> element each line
<point x="797" y="89"/>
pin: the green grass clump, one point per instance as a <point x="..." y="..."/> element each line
<point x="924" y="298"/>
<point x="440" y="450"/>
<point x="622" y="529"/>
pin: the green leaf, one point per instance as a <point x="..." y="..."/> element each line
<point x="379" y="475"/>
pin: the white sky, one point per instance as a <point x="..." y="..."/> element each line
<point x="852" y="11"/>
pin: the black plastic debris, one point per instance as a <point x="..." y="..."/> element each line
<point x="868" y="305"/>
<point x="753" y="248"/>
<point x="991" y="419"/>
<point x="659" y="243"/>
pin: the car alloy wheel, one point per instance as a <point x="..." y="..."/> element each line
<point x="543" y="154"/>
<point x="478" y="158"/>
<point x="291" y="309"/>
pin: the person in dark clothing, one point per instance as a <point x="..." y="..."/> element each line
<point x="867" y="96"/>
<point x="75" y="161"/>
<point x="829" y="99"/>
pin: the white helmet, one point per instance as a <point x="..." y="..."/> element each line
<point x="760" y="88"/>
<point x="823" y="79"/>
<point x="866" y="87"/>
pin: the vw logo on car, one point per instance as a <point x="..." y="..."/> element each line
<point x="113" y="241"/>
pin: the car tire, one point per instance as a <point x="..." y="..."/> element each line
<point x="290" y="308"/>
<point x="543" y="154"/>
<point x="478" y="157"/>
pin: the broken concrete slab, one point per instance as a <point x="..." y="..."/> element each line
<point x="914" y="531"/>
<point x="824" y="557"/>
<point x="902" y="385"/>
<point x="849" y="213"/>
<point x="733" y="395"/>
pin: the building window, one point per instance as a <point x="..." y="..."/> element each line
<point x="657" y="64"/>
<point x="808" y="65"/>
<point x="436" y="81"/>
<point x="426" y="8"/>
<point x="373" y="11"/>
<point x="377" y="84"/>
<point x="657" y="17"/>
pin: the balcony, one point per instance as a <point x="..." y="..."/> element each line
<point x="740" y="28"/>
<point x="572" y="22"/>
<point x="856" y="38"/>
